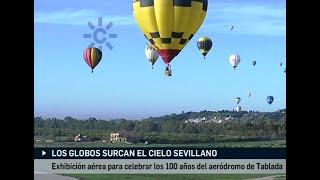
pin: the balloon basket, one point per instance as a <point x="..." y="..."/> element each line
<point x="168" y="73"/>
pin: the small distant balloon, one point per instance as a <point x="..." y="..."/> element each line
<point x="152" y="54"/>
<point x="204" y="44"/>
<point x="269" y="99"/>
<point x="238" y="108"/>
<point x="254" y="63"/>
<point x="234" y="60"/>
<point x="92" y="56"/>
<point x="238" y="99"/>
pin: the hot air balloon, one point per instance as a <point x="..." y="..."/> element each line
<point x="169" y="25"/>
<point x="269" y="99"/>
<point x="238" y="99"/>
<point x="92" y="56"/>
<point x="234" y="60"/>
<point x="238" y="108"/>
<point x="254" y="63"/>
<point x="204" y="45"/>
<point x="151" y="54"/>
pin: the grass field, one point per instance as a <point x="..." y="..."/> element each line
<point x="173" y="176"/>
<point x="274" y="144"/>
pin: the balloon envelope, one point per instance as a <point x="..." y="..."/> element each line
<point x="204" y="44"/>
<point x="151" y="54"/>
<point x="234" y="60"/>
<point x="92" y="56"/>
<point x="254" y="63"/>
<point x="238" y="108"/>
<point x="269" y="99"/>
<point x="238" y="99"/>
<point x="169" y="25"/>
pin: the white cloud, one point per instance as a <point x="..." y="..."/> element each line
<point x="79" y="17"/>
<point x="251" y="19"/>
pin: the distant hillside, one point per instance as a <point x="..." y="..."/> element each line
<point x="242" y="116"/>
<point x="186" y="127"/>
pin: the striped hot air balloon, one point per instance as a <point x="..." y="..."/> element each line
<point x="204" y="45"/>
<point x="169" y="24"/>
<point x="92" y="56"/>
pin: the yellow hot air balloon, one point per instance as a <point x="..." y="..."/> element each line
<point x="169" y="24"/>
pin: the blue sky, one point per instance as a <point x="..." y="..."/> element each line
<point x="123" y="85"/>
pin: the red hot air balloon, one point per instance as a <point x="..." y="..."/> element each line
<point x="92" y="56"/>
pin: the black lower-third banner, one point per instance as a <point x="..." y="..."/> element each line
<point x="159" y="153"/>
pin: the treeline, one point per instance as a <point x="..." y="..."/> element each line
<point x="170" y="128"/>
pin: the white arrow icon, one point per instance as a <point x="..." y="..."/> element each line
<point x="43" y="153"/>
